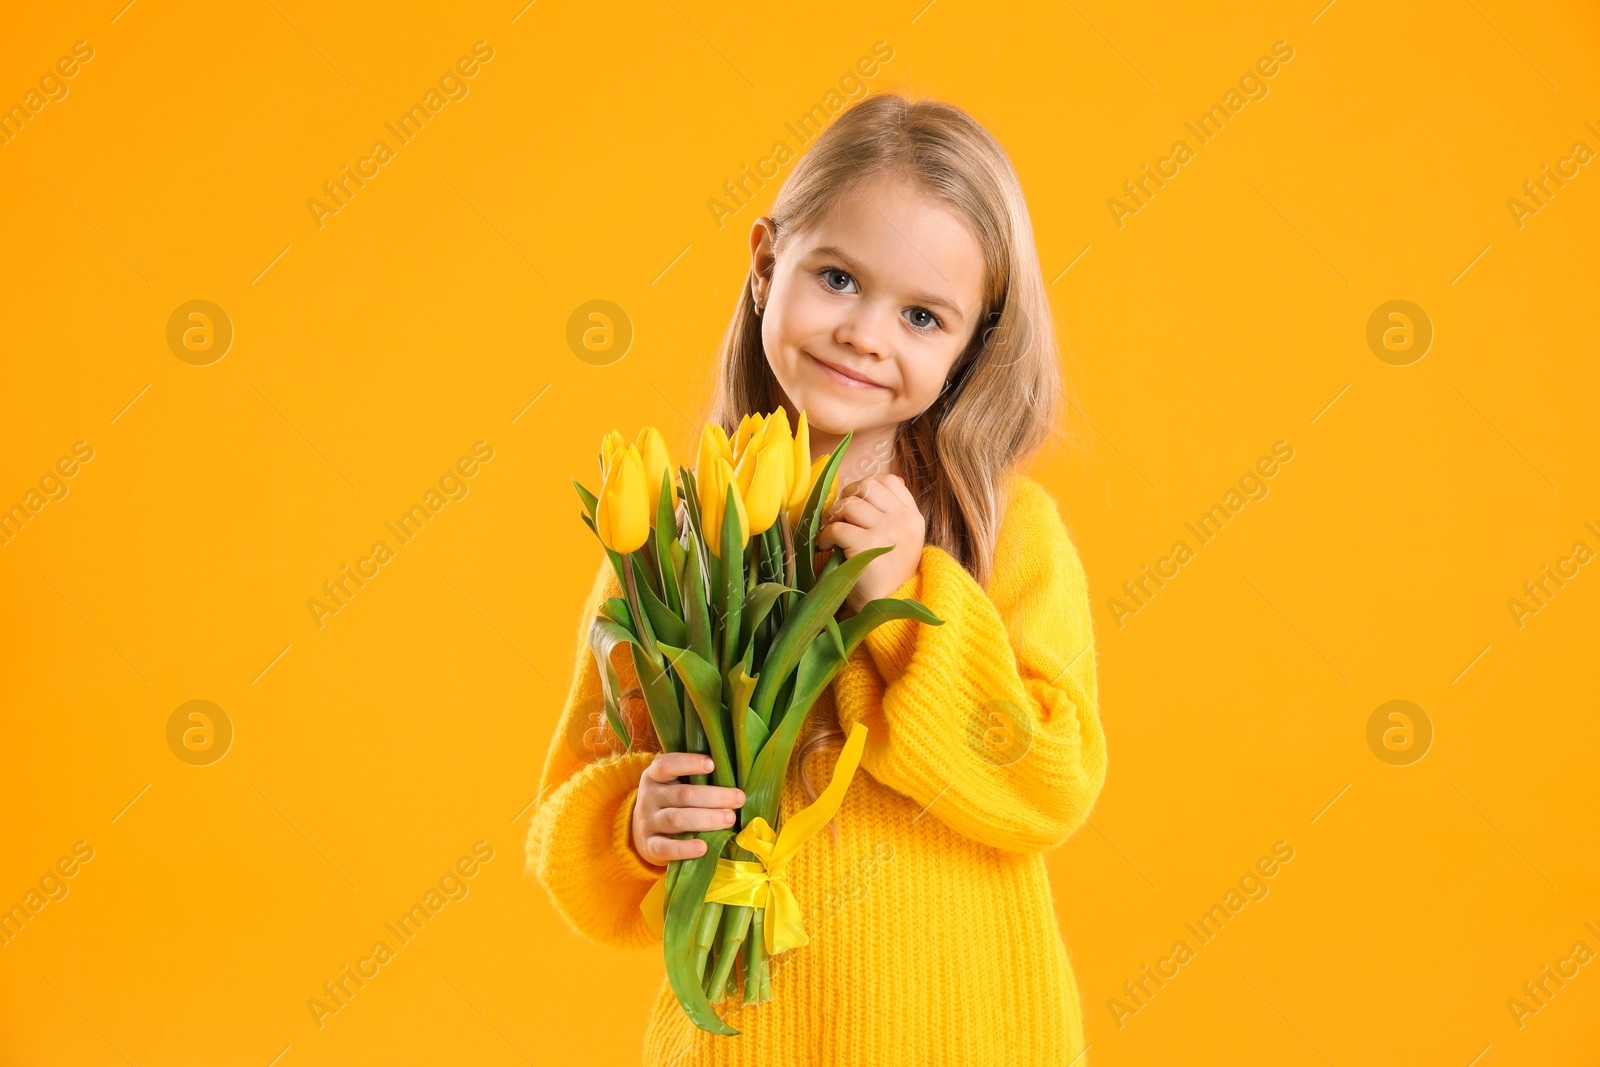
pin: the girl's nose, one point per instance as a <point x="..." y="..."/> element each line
<point x="866" y="328"/>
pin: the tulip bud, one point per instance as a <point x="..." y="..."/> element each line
<point x="798" y="482"/>
<point x="798" y="508"/>
<point x="609" y="444"/>
<point x="749" y="426"/>
<point x="622" y="516"/>
<point x="657" y="461"/>
<point x="712" y="483"/>
<point x="762" y="469"/>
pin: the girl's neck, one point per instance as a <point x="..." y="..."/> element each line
<point x="870" y="452"/>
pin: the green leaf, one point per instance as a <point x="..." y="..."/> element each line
<point x="604" y="635"/>
<point x="805" y="534"/>
<point x="661" y="698"/>
<point x="749" y="732"/>
<point x="695" y="533"/>
<point x="763" y="789"/>
<point x="677" y="935"/>
<point x="590" y="501"/>
<point x="696" y="611"/>
<point x="804" y="623"/>
<point x="733" y="581"/>
<point x="666" y="532"/>
<point x="756" y="607"/>
<point x="665" y="625"/>
<point x="616" y="609"/>
<point x="833" y="635"/>
<point x="704" y="686"/>
<point x="877" y="612"/>
<point x="818" y="667"/>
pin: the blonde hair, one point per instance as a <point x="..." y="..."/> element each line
<point x="1002" y="398"/>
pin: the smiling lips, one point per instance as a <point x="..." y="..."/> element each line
<point x="844" y="377"/>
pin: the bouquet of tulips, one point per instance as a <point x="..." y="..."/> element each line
<point x="731" y="625"/>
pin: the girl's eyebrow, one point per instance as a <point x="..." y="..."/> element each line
<point x="835" y="252"/>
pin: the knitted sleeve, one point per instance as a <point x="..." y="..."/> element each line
<point x="579" y="842"/>
<point x="991" y="720"/>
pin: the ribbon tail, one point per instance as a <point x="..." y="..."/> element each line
<point x="785" y="927"/>
<point x="802" y="824"/>
<point x="654" y="906"/>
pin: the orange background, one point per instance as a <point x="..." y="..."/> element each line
<point x="430" y="312"/>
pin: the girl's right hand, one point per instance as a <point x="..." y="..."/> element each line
<point x="664" y="807"/>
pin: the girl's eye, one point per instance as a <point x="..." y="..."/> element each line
<point x="829" y="274"/>
<point x="839" y="281"/>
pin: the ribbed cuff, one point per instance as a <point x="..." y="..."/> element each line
<point x="622" y="840"/>
<point x="891" y="643"/>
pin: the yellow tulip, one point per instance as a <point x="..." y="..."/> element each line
<point x="712" y="480"/>
<point x="714" y="442"/>
<point x="798" y="508"/>
<point x="609" y="444"/>
<point x="653" y="451"/>
<point x="749" y="426"/>
<point x="798" y="483"/>
<point x="622" y="514"/>
<point x="763" y="469"/>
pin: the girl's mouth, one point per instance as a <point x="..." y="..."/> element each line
<point x="835" y="375"/>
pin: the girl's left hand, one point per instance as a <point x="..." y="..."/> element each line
<point x="872" y="513"/>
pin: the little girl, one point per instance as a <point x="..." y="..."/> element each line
<point x="894" y="293"/>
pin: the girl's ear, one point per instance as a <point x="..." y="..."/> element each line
<point x="763" y="258"/>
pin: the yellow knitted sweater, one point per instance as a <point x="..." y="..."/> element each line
<point x="932" y="925"/>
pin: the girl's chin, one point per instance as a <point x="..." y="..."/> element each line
<point x="828" y="415"/>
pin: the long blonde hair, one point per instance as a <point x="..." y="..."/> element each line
<point x="1001" y="401"/>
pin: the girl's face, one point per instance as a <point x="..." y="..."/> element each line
<point x="865" y="316"/>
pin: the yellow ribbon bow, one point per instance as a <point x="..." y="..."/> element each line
<point x="764" y="884"/>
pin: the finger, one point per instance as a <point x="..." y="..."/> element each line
<point x="703" y="796"/>
<point x="877" y="492"/>
<point x="689" y="820"/>
<point x="859" y="511"/>
<point x="670" y="766"/>
<point x="659" y="850"/>
<point x="897" y="485"/>
<point x="848" y="537"/>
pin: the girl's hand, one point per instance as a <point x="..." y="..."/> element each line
<point x="664" y="806"/>
<point x="872" y="513"/>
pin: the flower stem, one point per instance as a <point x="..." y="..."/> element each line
<point x="755" y="959"/>
<point x="736" y="922"/>
<point x="705" y="934"/>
